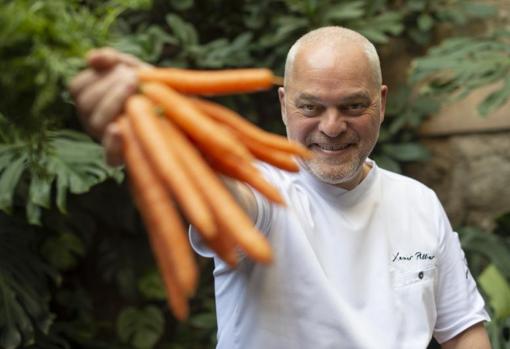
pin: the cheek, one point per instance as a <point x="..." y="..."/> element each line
<point x="368" y="129"/>
<point x="300" y="128"/>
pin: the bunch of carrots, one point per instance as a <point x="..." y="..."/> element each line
<point x="175" y="147"/>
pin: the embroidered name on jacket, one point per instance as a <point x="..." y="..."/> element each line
<point x="416" y="256"/>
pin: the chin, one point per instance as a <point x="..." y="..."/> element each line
<point x="334" y="174"/>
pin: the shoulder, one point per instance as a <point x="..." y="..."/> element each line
<point x="414" y="200"/>
<point x="404" y="187"/>
<point x="272" y="172"/>
<point x="279" y="178"/>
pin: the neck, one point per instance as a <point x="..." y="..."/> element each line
<point x="351" y="184"/>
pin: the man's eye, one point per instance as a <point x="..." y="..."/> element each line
<point x="356" y="106"/>
<point x="309" y="108"/>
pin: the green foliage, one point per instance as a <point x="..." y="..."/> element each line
<point x="76" y="270"/>
<point x="24" y="285"/>
<point x="460" y="65"/>
<point x="498" y="290"/>
<point x="63" y="251"/>
<point x="397" y="140"/>
<point x="423" y="17"/>
<point x="151" y="286"/>
<point x="69" y="160"/>
<point x="142" y="328"/>
<point x="41" y="43"/>
<point x="489" y="260"/>
<point x="486" y="247"/>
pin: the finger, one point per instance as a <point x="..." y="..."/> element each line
<point x="112" y="103"/>
<point x="112" y="143"/>
<point x="107" y="57"/>
<point x="91" y="96"/>
<point x="82" y="80"/>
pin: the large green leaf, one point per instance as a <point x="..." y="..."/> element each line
<point x="9" y="178"/>
<point x="182" y="4"/>
<point x="406" y="151"/>
<point x="141" y="328"/>
<point x="222" y="52"/>
<point x="63" y="250"/>
<point x="68" y="158"/>
<point x="24" y="285"/>
<point x="495" y="100"/>
<point x="151" y="286"/>
<point x="497" y="288"/>
<point x="183" y="31"/>
<point x="492" y="247"/>
<point x="345" y="11"/>
<point x="499" y="333"/>
<point x="147" y="43"/>
<point x="77" y="163"/>
<point x="206" y="321"/>
<point x="382" y="26"/>
<point x="387" y="163"/>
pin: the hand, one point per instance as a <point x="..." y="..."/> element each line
<point x="100" y="92"/>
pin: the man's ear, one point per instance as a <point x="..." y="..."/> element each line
<point x="384" y="95"/>
<point x="281" y="96"/>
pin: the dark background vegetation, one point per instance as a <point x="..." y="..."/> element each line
<point x="75" y="267"/>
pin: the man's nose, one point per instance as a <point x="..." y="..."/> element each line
<point x="332" y="123"/>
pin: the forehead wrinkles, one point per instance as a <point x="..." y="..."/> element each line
<point x="331" y="66"/>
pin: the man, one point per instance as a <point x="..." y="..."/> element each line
<point x="364" y="258"/>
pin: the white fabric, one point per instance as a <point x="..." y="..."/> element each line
<point x="374" y="267"/>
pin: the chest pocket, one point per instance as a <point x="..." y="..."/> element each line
<point x="418" y="276"/>
<point x="414" y="294"/>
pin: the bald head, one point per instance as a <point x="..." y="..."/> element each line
<point x="336" y="39"/>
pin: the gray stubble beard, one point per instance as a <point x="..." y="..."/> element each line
<point x="336" y="178"/>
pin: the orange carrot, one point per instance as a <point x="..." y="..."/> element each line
<point x="194" y="123"/>
<point x="224" y="247"/>
<point x="210" y="81"/>
<point x="249" y="174"/>
<point x="162" y="156"/>
<point x="274" y="157"/>
<point x="166" y="234"/>
<point x="175" y="298"/>
<point x="234" y="221"/>
<point x="246" y="129"/>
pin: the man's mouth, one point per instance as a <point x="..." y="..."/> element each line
<point x="330" y="148"/>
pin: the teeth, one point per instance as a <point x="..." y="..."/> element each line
<point x="333" y="147"/>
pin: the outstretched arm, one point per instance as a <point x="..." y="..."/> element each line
<point x="475" y="337"/>
<point x="100" y="92"/>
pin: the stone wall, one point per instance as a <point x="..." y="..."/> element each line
<point x="471" y="176"/>
<point x="470" y="164"/>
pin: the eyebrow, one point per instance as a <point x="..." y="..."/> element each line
<point x="353" y="97"/>
<point x="307" y="97"/>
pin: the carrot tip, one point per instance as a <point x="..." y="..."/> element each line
<point x="307" y="155"/>
<point x="281" y="203"/>
<point x="277" y="80"/>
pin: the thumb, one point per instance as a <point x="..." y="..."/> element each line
<point x="107" y="57"/>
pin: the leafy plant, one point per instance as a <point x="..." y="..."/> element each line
<point x="460" y="65"/>
<point x="67" y="159"/>
<point x="489" y="261"/>
<point x="25" y="282"/>
<point x="140" y="327"/>
<point x="75" y="268"/>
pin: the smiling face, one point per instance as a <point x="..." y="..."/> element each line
<point x="334" y="106"/>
